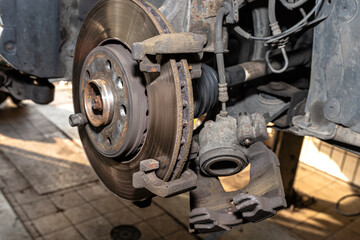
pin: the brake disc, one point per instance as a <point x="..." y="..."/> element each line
<point x="131" y="116"/>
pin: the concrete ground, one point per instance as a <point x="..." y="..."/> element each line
<point x="48" y="190"/>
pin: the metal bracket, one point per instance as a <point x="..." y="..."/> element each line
<point x="213" y="209"/>
<point x="22" y="87"/>
<point x="173" y="43"/>
<point x="233" y="6"/>
<point x="146" y="178"/>
<point x="251" y="128"/>
<point x="147" y="66"/>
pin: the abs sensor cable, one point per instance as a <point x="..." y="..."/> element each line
<point x="293" y="5"/>
<point x="276" y="38"/>
<point x="275" y="29"/>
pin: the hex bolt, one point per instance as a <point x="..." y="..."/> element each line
<point x="77" y="120"/>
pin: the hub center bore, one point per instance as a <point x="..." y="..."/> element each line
<point x="114" y="101"/>
<point x="99" y="102"/>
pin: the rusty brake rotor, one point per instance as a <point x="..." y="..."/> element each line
<point x="131" y="116"/>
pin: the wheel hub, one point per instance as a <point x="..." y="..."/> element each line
<point x="111" y="86"/>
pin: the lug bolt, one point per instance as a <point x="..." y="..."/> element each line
<point x="77" y="120"/>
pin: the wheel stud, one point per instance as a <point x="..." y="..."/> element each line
<point x="77" y="120"/>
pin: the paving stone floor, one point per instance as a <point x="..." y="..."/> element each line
<point x="89" y="211"/>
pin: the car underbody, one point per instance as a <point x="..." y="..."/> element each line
<point x="171" y="95"/>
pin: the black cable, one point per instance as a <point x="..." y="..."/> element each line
<point x="275" y="29"/>
<point x="297" y="26"/>
<point x="346" y="213"/>
<point x="291" y="6"/>
<point x="271" y="39"/>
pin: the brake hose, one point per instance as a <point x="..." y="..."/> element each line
<point x="219" y="53"/>
<point x="291" y="6"/>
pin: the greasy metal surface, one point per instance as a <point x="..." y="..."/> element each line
<point x="247" y="71"/>
<point x="202" y="19"/>
<point x="251" y="128"/>
<point x="213" y="209"/>
<point x="113" y="96"/>
<point x="175" y="43"/>
<point x="220" y="153"/>
<point x="177" y="13"/>
<point x="254" y="101"/>
<point x="118" y="19"/>
<point x="146" y="178"/>
<point x="295" y="105"/>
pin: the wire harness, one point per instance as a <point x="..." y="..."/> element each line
<point x="269" y="40"/>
